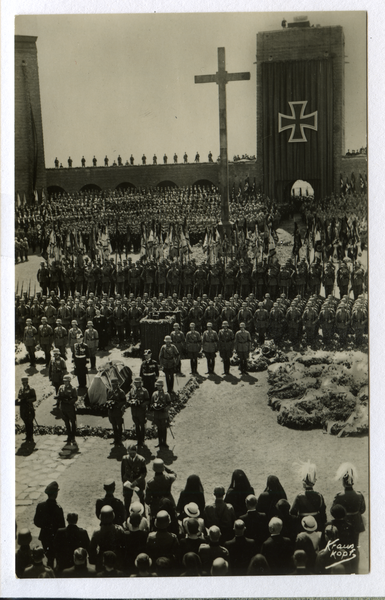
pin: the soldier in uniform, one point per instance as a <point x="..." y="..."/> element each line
<point x="310" y="321"/>
<point x="64" y="314"/>
<point x="326" y="320"/>
<point x="57" y="370"/>
<point x="200" y="280"/>
<point x="138" y="399"/>
<point x="22" y="314"/>
<point x="135" y="279"/>
<point x="246" y="316"/>
<point x="174" y="277"/>
<point x="35" y="313"/>
<point x="193" y="346"/>
<point x="210" y="346"/>
<point x="67" y="397"/>
<point x="211" y="314"/>
<point x="343" y="277"/>
<point x="119" y="317"/>
<point x="259" y="278"/>
<point x="73" y="335"/>
<point x="272" y="278"/>
<point x="226" y="346"/>
<point x="242" y="346"/>
<point x="110" y="500"/>
<point x="358" y="277"/>
<point x="276" y="322"/>
<point x="160" y="402"/>
<point x="45" y="335"/>
<point x="26" y="397"/>
<point x="134" y="470"/>
<point x="60" y="337"/>
<point x="149" y="372"/>
<point x="49" y="518"/>
<point x="284" y="279"/>
<point x="359" y="320"/>
<point x="91" y="339"/>
<point x="43" y="278"/>
<point x="230" y="272"/>
<point x="293" y="320"/>
<point x="178" y="339"/>
<point x="50" y="313"/>
<point x="328" y="277"/>
<point x="135" y="315"/>
<point x="261" y="322"/>
<point x="30" y="340"/>
<point x="188" y="277"/>
<point x="314" y="277"/>
<point x="81" y="359"/>
<point x="116" y="402"/>
<point x="216" y="273"/>
<point x="195" y="314"/>
<point x="342" y="321"/>
<point x="119" y="278"/>
<point x="168" y="357"/>
<point x="229" y="314"/>
<point x="243" y="278"/>
<point x="78" y="314"/>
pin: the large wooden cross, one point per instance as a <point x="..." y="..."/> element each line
<point x="221" y="77"/>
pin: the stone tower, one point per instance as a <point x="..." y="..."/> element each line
<point x="301" y="108"/>
<point x="30" y="174"/>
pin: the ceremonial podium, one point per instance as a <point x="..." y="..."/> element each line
<point x="154" y="329"/>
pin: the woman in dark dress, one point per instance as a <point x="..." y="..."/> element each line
<point x="193" y="492"/>
<point x="238" y="491"/>
<point x="267" y="501"/>
<point x="168" y="506"/>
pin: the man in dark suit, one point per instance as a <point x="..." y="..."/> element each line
<point x="110" y="500"/>
<point x="278" y="550"/>
<point x="49" y="518"/>
<point x="67" y="540"/>
<point x="255" y="523"/>
<point x="240" y="548"/>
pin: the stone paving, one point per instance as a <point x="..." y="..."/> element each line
<point x="43" y="465"/>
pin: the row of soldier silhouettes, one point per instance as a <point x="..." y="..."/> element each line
<point x="49" y="321"/>
<point x="119" y="160"/>
<point x="242" y="276"/>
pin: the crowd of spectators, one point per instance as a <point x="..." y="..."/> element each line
<point x="237" y="532"/>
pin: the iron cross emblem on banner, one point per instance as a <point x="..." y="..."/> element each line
<point x="298" y="121"/>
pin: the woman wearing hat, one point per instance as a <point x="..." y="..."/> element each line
<point x="159" y="404"/>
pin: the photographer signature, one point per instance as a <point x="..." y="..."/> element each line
<point x="340" y="551"/>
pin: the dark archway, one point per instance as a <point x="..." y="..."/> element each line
<point x="55" y="189"/>
<point x="166" y="184"/>
<point x="126" y="185"/>
<point x="302" y="188"/>
<point x="91" y="187"/>
<point x="205" y="183"/>
<point x="283" y="189"/>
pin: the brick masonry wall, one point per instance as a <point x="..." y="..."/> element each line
<point x="25" y="50"/>
<point x="73" y="179"/>
<point x="354" y="164"/>
<point x="308" y="43"/>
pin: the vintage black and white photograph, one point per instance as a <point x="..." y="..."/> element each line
<point x="191" y="295"/>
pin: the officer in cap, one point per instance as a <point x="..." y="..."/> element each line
<point x="26" y="397"/>
<point x="159" y="486"/>
<point x="159" y="404"/>
<point x="67" y="397"/>
<point x="49" y="518"/>
<point x="139" y="399"/>
<point x="116" y="403"/>
<point x="226" y="346"/>
<point x="149" y="372"/>
<point x="110" y="500"/>
<point x="168" y="359"/>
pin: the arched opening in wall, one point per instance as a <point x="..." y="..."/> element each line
<point x="126" y="185"/>
<point x="204" y="183"/>
<point x="55" y="190"/>
<point x="166" y="184"/>
<point x="91" y="187"/>
<point x="302" y="189"/>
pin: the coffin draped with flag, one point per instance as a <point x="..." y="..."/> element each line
<point x="101" y="383"/>
<point x="308" y="85"/>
